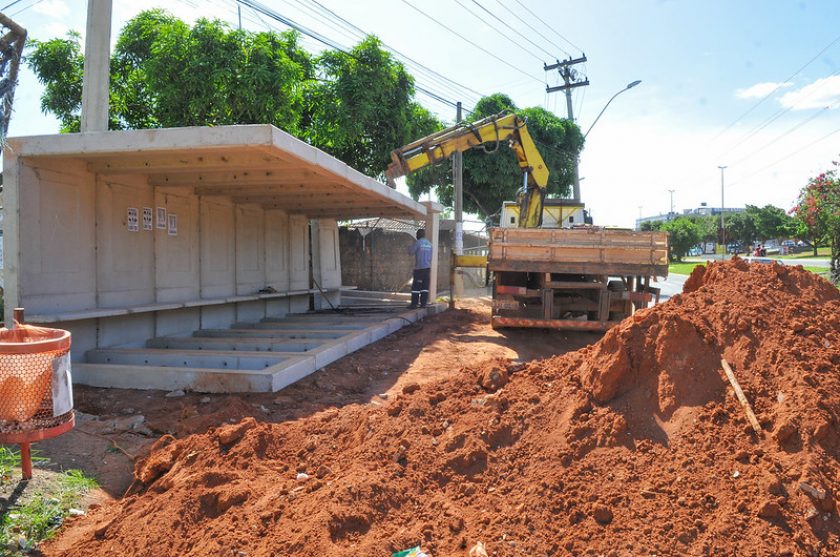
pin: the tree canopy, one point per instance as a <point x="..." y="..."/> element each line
<point x="818" y="212"/>
<point x="166" y="73"/>
<point x="490" y="178"/>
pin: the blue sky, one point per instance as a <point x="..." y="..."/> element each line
<point x="703" y="64"/>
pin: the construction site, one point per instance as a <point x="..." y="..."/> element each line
<point x="276" y="354"/>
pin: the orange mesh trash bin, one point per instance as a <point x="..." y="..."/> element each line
<point x="36" y="397"/>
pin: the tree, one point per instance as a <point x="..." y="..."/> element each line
<point x="818" y="209"/>
<point x="363" y="108"/>
<point x="358" y="106"/>
<point x="683" y="234"/>
<point x="770" y="222"/>
<point x="741" y="228"/>
<point x="492" y="175"/>
<point x="59" y="65"/>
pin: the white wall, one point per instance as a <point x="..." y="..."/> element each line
<point x="77" y="254"/>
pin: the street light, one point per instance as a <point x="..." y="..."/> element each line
<point x="629" y="86"/>
<point x="722" y="222"/>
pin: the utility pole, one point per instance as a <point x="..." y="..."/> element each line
<point x="570" y="81"/>
<point x="671" y="213"/>
<point x="722" y="205"/>
<point x="94" y="116"/>
<point x="458" y="180"/>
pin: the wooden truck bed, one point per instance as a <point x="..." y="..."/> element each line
<point x="579" y="250"/>
<point x="586" y="278"/>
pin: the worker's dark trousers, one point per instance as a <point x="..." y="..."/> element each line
<point x="420" y="287"/>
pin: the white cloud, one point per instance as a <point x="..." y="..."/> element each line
<point x="57" y="9"/>
<point x="823" y="92"/>
<point x="760" y="90"/>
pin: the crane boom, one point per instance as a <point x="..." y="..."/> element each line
<point x="504" y="126"/>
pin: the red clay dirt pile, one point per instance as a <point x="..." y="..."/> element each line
<point x="635" y="445"/>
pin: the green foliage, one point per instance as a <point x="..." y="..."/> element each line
<point x="818" y="211"/>
<point x="492" y="174"/>
<point x="770" y="222"/>
<point x="741" y="227"/>
<point x="362" y="109"/>
<point x="358" y="106"/>
<point x="683" y="233"/>
<point x="59" y="65"/>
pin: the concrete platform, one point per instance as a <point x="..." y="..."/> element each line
<point x="261" y="356"/>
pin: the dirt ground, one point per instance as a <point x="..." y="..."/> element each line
<point x="449" y="434"/>
<point x="114" y="426"/>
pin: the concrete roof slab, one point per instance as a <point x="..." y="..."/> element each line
<point x="274" y="166"/>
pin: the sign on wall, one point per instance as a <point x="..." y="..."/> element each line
<point x="133" y="220"/>
<point x="147" y="218"/>
<point x="161" y="218"/>
<point x="173" y="224"/>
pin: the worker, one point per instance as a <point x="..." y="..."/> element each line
<point x="422" y="252"/>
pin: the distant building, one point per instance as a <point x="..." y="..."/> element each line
<point x="702" y="210"/>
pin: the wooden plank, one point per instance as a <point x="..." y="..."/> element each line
<point x="742" y="398"/>
<point x="469" y="260"/>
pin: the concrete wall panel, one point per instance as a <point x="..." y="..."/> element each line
<point x="177" y="275"/>
<point x="218" y="317"/>
<point x="250" y="311"/>
<point x="250" y="249"/>
<point x="125" y="266"/>
<point x="126" y="331"/>
<point x="217" y="244"/>
<point x="277" y="250"/>
<point x="83" y="337"/>
<point x="276" y="308"/>
<point x="57" y="255"/>
<point x="180" y="322"/>
<point x="299" y="252"/>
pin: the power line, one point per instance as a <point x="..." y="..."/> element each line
<point x="20" y="11"/>
<point x="4" y="8"/>
<point x="788" y="132"/>
<point x="779" y="86"/>
<point x="771" y="165"/>
<point x="424" y="14"/>
<point x="485" y="22"/>
<point x="778" y="114"/>
<point x="538" y="18"/>
<point x="497" y="18"/>
<point x="398" y="53"/>
<point x="534" y="29"/>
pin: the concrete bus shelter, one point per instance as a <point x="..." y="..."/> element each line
<point x="187" y="257"/>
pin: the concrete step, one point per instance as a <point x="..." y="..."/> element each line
<point x="237" y="343"/>
<point x="214" y="359"/>
<point x="269" y="334"/>
<point x="299" y="326"/>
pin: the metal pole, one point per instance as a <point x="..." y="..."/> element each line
<point x="672" y="203"/>
<point x="722" y="205"/>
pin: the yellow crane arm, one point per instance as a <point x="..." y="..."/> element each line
<point x="503" y="127"/>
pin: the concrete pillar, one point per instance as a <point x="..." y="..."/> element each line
<point x="433" y="211"/>
<point x="95" y="85"/>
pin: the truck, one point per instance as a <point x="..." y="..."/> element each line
<point x="564" y="274"/>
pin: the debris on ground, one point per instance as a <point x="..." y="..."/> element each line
<point x="626" y="447"/>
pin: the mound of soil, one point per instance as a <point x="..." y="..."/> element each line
<point x="632" y="446"/>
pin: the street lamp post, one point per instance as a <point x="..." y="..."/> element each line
<point x="671" y="213"/>
<point x="629" y="86"/>
<point x="722" y="222"/>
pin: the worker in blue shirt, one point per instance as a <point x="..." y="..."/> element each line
<point x="422" y="252"/>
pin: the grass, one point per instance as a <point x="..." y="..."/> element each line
<point x="683" y="268"/>
<point x="822" y="253"/>
<point x="29" y="518"/>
